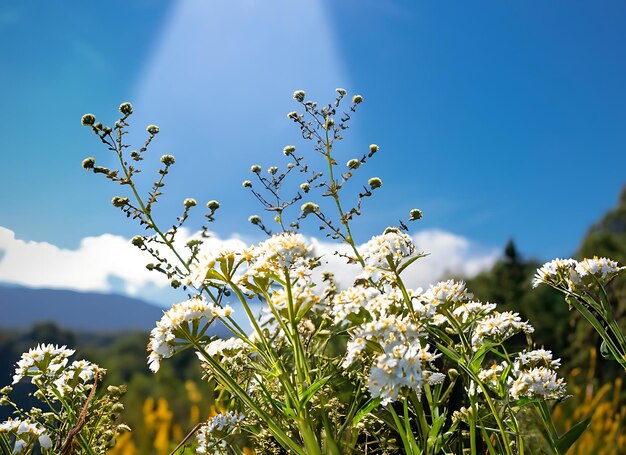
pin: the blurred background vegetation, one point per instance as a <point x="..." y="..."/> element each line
<point x="161" y="409"/>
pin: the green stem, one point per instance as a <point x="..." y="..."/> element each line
<point x="236" y="389"/>
<point x="335" y="195"/>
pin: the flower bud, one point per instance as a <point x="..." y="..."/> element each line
<point x="190" y="202"/>
<point x="89" y="163"/>
<point x="375" y="182"/>
<point x="152" y="129"/>
<point x="273" y="170"/>
<point x="306" y="187"/>
<point x="255" y="168"/>
<point x="213" y="205"/>
<point x="88" y="120"/>
<point x="151" y="266"/>
<point x="353" y="164"/>
<point x="119" y="201"/>
<point x="126" y="108"/>
<point x="309" y="207"/>
<point x="247" y="184"/>
<point x="98" y="126"/>
<point x="341" y="91"/>
<point x="289" y="150"/>
<point x="292" y="115"/>
<point x="168" y="160"/>
<point x="373" y="149"/>
<point x="357" y="99"/>
<point x="114" y="390"/>
<point x="175" y="283"/>
<point x="415" y="214"/>
<point x="6" y="390"/>
<point x="255" y="219"/>
<point x="137" y="240"/>
<point x="299" y="95"/>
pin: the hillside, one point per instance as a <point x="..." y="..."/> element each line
<point x="22" y="307"/>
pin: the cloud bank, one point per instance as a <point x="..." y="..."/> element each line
<point x="109" y="263"/>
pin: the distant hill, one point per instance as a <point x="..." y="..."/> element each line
<point x="22" y="307"/>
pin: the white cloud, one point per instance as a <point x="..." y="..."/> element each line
<point x="448" y="255"/>
<point x="110" y="263"/>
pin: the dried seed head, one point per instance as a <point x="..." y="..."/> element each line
<point x="375" y="182"/>
<point x="341" y="91"/>
<point x="292" y="115"/>
<point x="306" y="187"/>
<point x="299" y="95"/>
<point x="247" y="184"/>
<point x="353" y="164"/>
<point x="273" y="170"/>
<point x="119" y="201"/>
<point x="213" y="205"/>
<point x="126" y="108"/>
<point x="255" y="219"/>
<point x="289" y="150"/>
<point x="152" y="129"/>
<point x="373" y="149"/>
<point x="357" y="99"/>
<point x="190" y="202"/>
<point x="88" y="120"/>
<point x="89" y="163"/>
<point x="255" y="168"/>
<point x="309" y="207"/>
<point x="168" y="160"/>
<point x="137" y="240"/>
<point x="415" y="214"/>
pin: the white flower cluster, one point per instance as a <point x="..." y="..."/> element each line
<point x="357" y="302"/>
<point x="24" y="432"/>
<point x="205" y="262"/>
<point x="532" y="375"/>
<point x="401" y="368"/>
<point x="285" y="250"/>
<point x="209" y="435"/>
<point x="571" y="274"/>
<point x="80" y="372"/>
<point x="384" y="252"/>
<point x="44" y="360"/>
<point x="448" y="292"/>
<point x="178" y="321"/>
<point x="498" y="327"/>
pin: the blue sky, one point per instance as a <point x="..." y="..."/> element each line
<point x="498" y="119"/>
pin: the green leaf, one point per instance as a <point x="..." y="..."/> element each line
<point x="365" y="411"/>
<point x="569" y="438"/>
<point x="411" y="261"/>
<point x="310" y="392"/>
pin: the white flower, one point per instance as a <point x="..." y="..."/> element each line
<point x="539" y="382"/>
<point x="209" y="434"/>
<point x="392" y="245"/>
<point x="535" y="358"/>
<point x="554" y="271"/>
<point x="404" y="367"/>
<point x="499" y="327"/>
<point x="282" y="251"/>
<point x="177" y="320"/>
<point x="24" y="431"/>
<point x="43" y="360"/>
<point x="599" y="267"/>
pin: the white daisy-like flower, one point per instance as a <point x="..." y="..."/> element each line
<point x="209" y="435"/>
<point x="499" y="327"/>
<point x="177" y="319"/>
<point x="43" y="360"/>
<point x="538" y="382"/>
